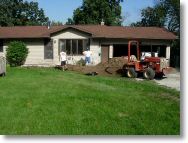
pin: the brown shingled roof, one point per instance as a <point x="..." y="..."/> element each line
<point x="96" y="31"/>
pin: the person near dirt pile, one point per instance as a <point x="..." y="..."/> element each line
<point x="63" y="57"/>
<point x="87" y="55"/>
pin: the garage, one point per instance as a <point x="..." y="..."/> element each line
<point x="160" y="49"/>
<point x="122" y="50"/>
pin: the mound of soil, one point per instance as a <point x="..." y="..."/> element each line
<point x="112" y="67"/>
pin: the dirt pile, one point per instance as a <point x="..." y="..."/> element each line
<point x="171" y="70"/>
<point x="112" y="67"/>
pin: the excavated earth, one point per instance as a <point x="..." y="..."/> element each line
<point x="114" y="68"/>
<point x="110" y="68"/>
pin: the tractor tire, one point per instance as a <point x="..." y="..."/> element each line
<point x="131" y="73"/>
<point x="149" y="74"/>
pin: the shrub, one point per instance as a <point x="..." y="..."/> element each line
<point x="16" y="53"/>
<point x="81" y="62"/>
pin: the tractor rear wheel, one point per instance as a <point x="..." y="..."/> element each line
<point x="149" y="73"/>
<point x="131" y="73"/>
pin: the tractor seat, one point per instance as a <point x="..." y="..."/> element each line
<point x="133" y="58"/>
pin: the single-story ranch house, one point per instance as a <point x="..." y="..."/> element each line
<point x="45" y="43"/>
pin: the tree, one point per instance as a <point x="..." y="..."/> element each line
<point x="19" y="12"/>
<point x="93" y="12"/>
<point x="16" y="53"/>
<point x="173" y="14"/>
<point x="56" y="23"/>
<point x="69" y="21"/>
<point x="152" y="17"/>
<point x="165" y="13"/>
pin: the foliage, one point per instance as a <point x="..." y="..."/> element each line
<point x="152" y="17"/>
<point x="56" y="23"/>
<point x="173" y="14"/>
<point x="70" y="22"/>
<point x="16" y="53"/>
<point x="81" y="62"/>
<point x="165" y="13"/>
<point x="19" y="12"/>
<point x="93" y="12"/>
<point x="43" y="101"/>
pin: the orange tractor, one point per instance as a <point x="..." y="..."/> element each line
<point x="147" y="65"/>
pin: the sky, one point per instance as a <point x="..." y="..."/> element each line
<point x="60" y="10"/>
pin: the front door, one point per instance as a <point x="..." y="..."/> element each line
<point x="104" y="53"/>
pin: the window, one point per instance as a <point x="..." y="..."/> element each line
<point x="62" y="46"/>
<point x="1" y="46"/>
<point x="68" y="47"/>
<point x="80" y="46"/>
<point x="73" y="46"/>
<point x="48" y="49"/>
<point x="86" y="44"/>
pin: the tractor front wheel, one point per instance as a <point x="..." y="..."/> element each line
<point x="149" y="73"/>
<point x="131" y="73"/>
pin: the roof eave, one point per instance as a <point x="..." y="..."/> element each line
<point x="40" y="37"/>
<point x="136" y="38"/>
<point x="70" y="27"/>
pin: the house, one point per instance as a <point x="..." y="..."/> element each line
<point x="45" y="43"/>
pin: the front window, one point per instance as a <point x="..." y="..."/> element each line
<point x="73" y="46"/>
<point x="48" y="49"/>
<point x="80" y="46"/>
<point x="68" y="47"/>
<point x="1" y="46"/>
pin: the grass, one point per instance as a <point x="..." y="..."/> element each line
<point x="51" y="102"/>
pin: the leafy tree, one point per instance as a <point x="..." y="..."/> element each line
<point x="16" y="53"/>
<point x="92" y="12"/>
<point x="173" y="14"/>
<point x="172" y="23"/>
<point x="152" y="17"/>
<point x="19" y="12"/>
<point x="165" y="13"/>
<point x="70" y="21"/>
<point x="56" y="23"/>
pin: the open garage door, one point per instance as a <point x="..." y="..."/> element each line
<point x="122" y="50"/>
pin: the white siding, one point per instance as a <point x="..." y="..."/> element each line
<point x="56" y="55"/>
<point x="73" y="34"/>
<point x="96" y="52"/>
<point x="70" y="34"/>
<point x="36" y="52"/>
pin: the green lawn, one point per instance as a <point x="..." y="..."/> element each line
<point x="49" y="101"/>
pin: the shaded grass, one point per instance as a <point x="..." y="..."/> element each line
<point x="48" y="101"/>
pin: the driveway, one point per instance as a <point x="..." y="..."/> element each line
<point x="170" y="80"/>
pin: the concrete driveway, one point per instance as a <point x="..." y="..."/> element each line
<point x="171" y="80"/>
